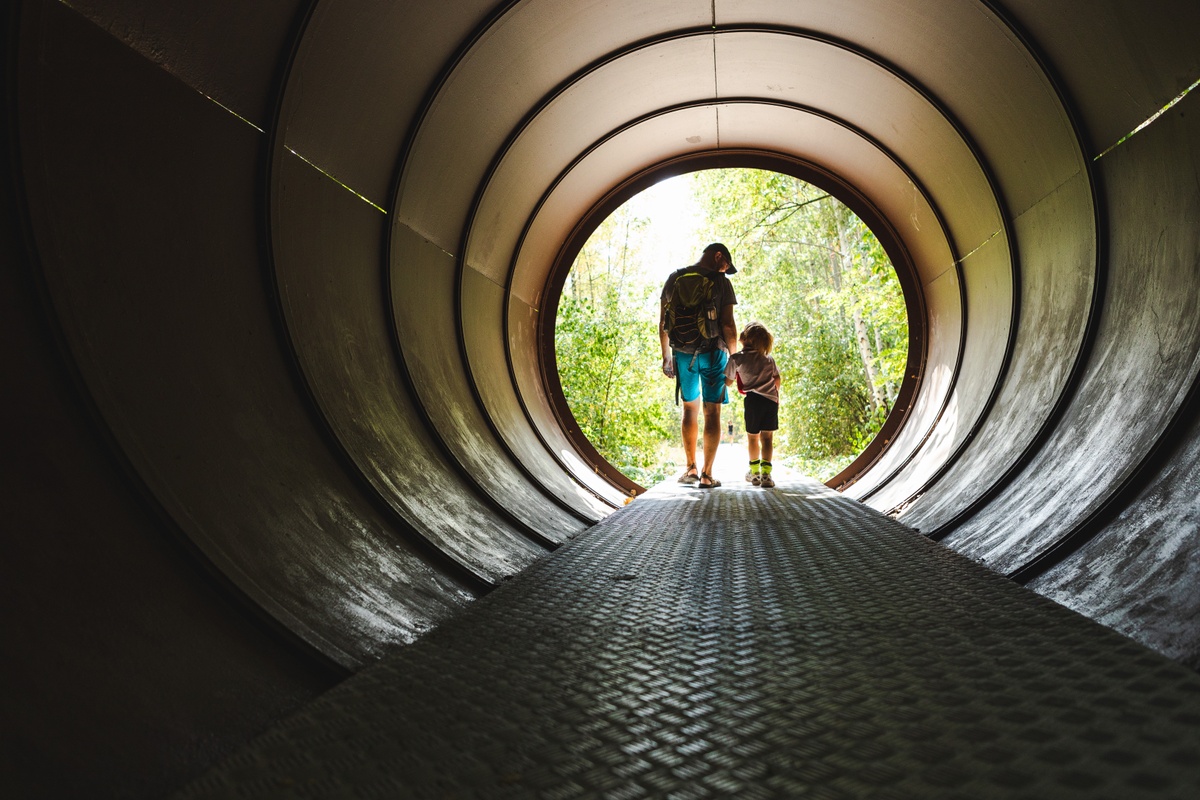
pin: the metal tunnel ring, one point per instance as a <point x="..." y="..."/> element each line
<point x="299" y="266"/>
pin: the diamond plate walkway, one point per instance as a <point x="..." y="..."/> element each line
<point x="746" y="643"/>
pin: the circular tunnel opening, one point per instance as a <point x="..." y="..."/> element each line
<point x="818" y="265"/>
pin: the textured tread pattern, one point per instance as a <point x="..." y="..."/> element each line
<point x="752" y="644"/>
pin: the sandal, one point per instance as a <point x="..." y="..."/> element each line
<point x="689" y="475"/>
<point x="712" y="482"/>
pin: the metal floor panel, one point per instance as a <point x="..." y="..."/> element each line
<point x="746" y="643"/>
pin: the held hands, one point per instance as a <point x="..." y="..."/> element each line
<point x="668" y="366"/>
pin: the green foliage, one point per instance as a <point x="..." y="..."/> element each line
<point x="808" y="269"/>
<point x="819" y="279"/>
<point x="606" y="346"/>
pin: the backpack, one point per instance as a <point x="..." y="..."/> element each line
<point x="693" y="318"/>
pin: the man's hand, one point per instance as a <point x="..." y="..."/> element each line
<point x="669" y="366"/>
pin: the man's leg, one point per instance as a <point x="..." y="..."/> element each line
<point x="712" y="434"/>
<point x="691" y="427"/>
<point x="768" y="445"/>
<point x="712" y="383"/>
<point x="689" y="390"/>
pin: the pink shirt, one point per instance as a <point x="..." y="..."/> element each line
<point x="758" y="372"/>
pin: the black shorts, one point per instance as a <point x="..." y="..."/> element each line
<point x="762" y="413"/>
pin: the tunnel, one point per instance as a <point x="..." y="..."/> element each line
<point x="278" y="318"/>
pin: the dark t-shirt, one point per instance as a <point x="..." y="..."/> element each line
<point x="720" y="284"/>
<point x="719" y="279"/>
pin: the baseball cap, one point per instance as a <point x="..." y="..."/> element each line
<point x="723" y="250"/>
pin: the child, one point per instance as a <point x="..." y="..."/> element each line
<point x="758" y="378"/>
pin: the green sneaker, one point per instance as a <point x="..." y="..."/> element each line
<point x="765" y="480"/>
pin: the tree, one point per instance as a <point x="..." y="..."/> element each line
<point x="817" y="277"/>
<point x="603" y="329"/>
<point x="808" y="268"/>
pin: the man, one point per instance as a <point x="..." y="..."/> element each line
<point x="698" y="362"/>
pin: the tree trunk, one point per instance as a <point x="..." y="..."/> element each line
<point x="860" y="328"/>
<point x="864" y="351"/>
<point x="889" y="386"/>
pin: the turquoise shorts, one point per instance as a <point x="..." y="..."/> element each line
<point x="702" y="371"/>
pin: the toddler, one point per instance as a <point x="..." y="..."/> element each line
<point x="758" y="378"/>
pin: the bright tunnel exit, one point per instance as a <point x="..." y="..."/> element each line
<point x="809" y="269"/>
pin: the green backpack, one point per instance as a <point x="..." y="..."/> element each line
<point x="693" y="318"/>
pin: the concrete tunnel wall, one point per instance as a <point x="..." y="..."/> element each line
<point x="283" y="270"/>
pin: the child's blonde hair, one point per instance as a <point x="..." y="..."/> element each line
<point x="755" y="336"/>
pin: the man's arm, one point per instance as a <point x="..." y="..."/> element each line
<point x="664" y="341"/>
<point x="729" y="329"/>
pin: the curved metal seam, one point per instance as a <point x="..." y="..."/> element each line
<point x="397" y="182"/>
<point x="460" y="332"/>
<point x="265" y="611"/>
<point x="1148" y="122"/>
<point x="805" y="171"/>
<point x="477" y="395"/>
<point x="505" y="321"/>
<point x="435" y="88"/>
<point x="512" y="376"/>
<point x="1014" y="314"/>
<point x="997" y="385"/>
<point x="609" y="58"/>
<point x="451" y="457"/>
<point x="731" y="101"/>
<point x="1090" y="334"/>
<point x="427" y="422"/>
<point x="461" y="265"/>
<point x="276" y="151"/>
<point x="418" y="402"/>
<point x="1099" y="291"/>
<point x="714" y="31"/>
<point x="1126" y="492"/>
<point x="1084" y="531"/>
